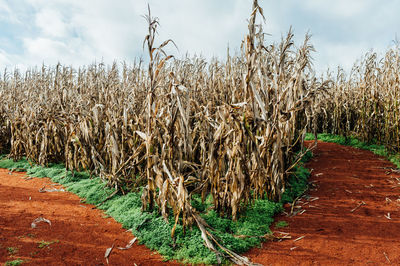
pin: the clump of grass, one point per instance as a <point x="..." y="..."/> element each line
<point x="281" y="224"/>
<point x="297" y="185"/>
<point x="12" y="250"/>
<point x="21" y="165"/>
<point x="44" y="244"/>
<point x="14" y="262"/>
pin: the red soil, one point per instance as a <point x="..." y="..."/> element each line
<point x="79" y="235"/>
<point x="344" y="177"/>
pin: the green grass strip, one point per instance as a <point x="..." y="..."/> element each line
<point x="151" y="229"/>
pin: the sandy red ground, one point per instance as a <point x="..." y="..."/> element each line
<point x="80" y="234"/>
<point x="333" y="235"/>
<point x="344" y="177"/>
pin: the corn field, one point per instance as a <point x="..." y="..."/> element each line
<point x="365" y="104"/>
<point x="174" y="128"/>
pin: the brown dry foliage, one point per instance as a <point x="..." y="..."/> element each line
<point x="366" y="103"/>
<point x="180" y="127"/>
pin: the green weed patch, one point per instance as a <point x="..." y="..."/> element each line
<point x="14" y="262"/>
<point x="281" y="224"/>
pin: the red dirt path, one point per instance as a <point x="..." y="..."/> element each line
<point x="333" y="235"/>
<point x="81" y="234"/>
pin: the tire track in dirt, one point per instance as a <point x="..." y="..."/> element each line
<point x="78" y="235"/>
<point x="338" y="228"/>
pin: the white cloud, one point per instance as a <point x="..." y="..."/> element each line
<point x="79" y="32"/>
<point x="49" y="51"/>
<point x="107" y="27"/>
<point x="50" y="22"/>
<point x="339" y="54"/>
<point x="6" y="14"/>
<point x="45" y="49"/>
<point x="4" y="57"/>
<point x="338" y="9"/>
<point x="197" y="26"/>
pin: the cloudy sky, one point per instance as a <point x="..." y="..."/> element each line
<point x="80" y="32"/>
